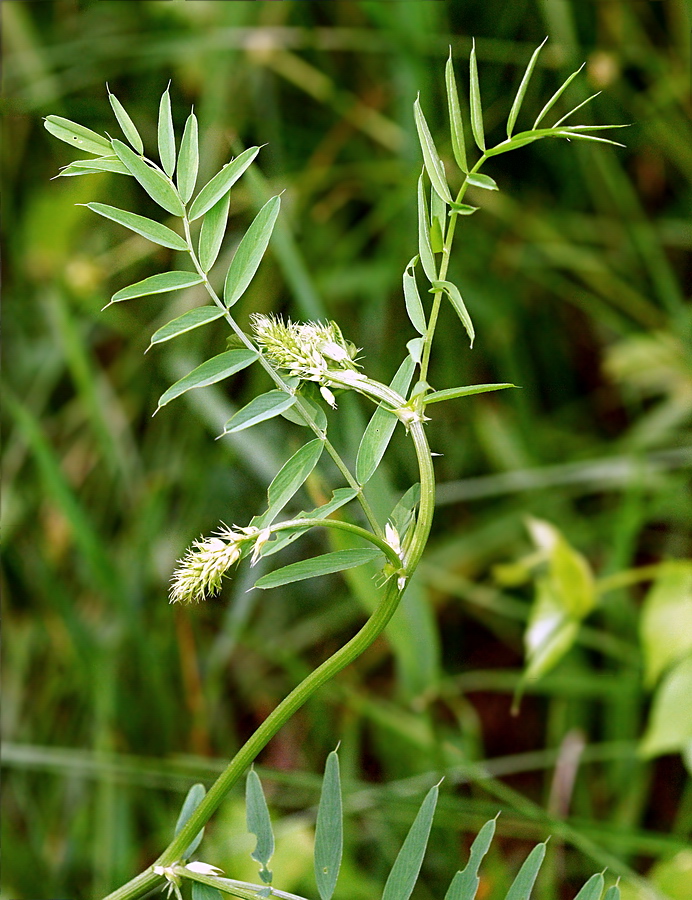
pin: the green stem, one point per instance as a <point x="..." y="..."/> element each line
<point x="356" y="530"/>
<point x="281" y="384"/>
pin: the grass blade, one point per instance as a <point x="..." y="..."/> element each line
<point x="166" y="134"/>
<point x="455" y="120"/>
<point x="78" y="136"/>
<point x="193" y="799"/>
<point x="259" y="824"/>
<point x="148" y="228"/>
<point x="556" y="96"/>
<point x="250" y="251"/>
<point x="465" y="884"/>
<point x="327" y="564"/>
<point x="126" y="124"/>
<point x="187" y="322"/>
<point x="431" y="158"/>
<point x="329" y="830"/>
<point x="476" y="108"/>
<point x="526" y="877"/>
<point x="222" y="182"/>
<point x="215" y="369"/>
<point x="154" y="183"/>
<point x="518" y="100"/>
<point x="402" y="879"/>
<point x="188" y="159"/>
<point x="424" y="246"/>
<point x="157" y="284"/>
<point x="261" y="408"/>
<point x="212" y="232"/>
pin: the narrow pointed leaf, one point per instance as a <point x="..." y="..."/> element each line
<point x="261" y="408"/>
<point x="194" y="318"/>
<point x="126" y="124"/>
<point x="476" y="108"/>
<point x="518" y="100"/>
<point x="158" y="284"/>
<point x="593" y="888"/>
<point x="466" y="391"/>
<point x="250" y="252"/>
<point x="431" y="158"/>
<point x="329" y="830"/>
<point x="381" y="427"/>
<point x="402" y="514"/>
<point x="154" y="183"/>
<point x="221" y="183"/>
<point x="188" y="159"/>
<point x="438" y="221"/>
<point x="166" y="135"/>
<point x="577" y="107"/>
<point x="212" y="232"/>
<point x="415" y="349"/>
<point x="78" y="136"/>
<point x="402" y="879"/>
<point x="556" y="96"/>
<point x="259" y="824"/>
<point x="424" y="247"/>
<point x="148" y="228"/>
<point x="455" y="119"/>
<point x="193" y="799"/>
<point x="465" y="884"/>
<point x="482" y="181"/>
<point x="290" y="478"/>
<point x="340" y="497"/>
<point x="100" y="164"/>
<point x="414" y="305"/>
<point x="586" y="137"/>
<point x="314" y="410"/>
<point x="613" y="893"/>
<point x="202" y="891"/>
<point x="215" y="369"/>
<point x="463" y="209"/>
<point x="457" y="302"/>
<point x="326" y="564"/>
<point x="526" y="877"/>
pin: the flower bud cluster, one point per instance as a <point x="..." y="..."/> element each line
<point x="199" y="573"/>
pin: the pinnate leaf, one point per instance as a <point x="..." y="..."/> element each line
<point x="215" y="369"/>
<point x="327" y="564"/>
<point x="402" y="879"/>
<point x="78" y="136"/>
<point x="127" y="126"/>
<point x="148" y="228"/>
<point x="194" y="318"/>
<point x="154" y="183"/>
<point x="250" y="252"/>
<point x="157" y="284"/>
<point x="329" y="830"/>
<point x="222" y="182"/>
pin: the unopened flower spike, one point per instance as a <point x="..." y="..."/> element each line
<point x="201" y="570"/>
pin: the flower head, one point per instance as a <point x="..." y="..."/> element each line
<point x="199" y="573"/>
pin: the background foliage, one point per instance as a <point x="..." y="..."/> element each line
<point x="577" y="274"/>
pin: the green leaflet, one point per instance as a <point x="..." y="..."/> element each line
<point x="261" y="408"/>
<point x="402" y="879"/>
<point x="665" y="624"/>
<point x="455" y="120"/>
<point x="476" y="108"/>
<point x="250" y="252"/>
<point x="126" y="124"/>
<point x="166" y="135"/>
<point x="188" y="159"/>
<point x="669" y="729"/>
<point x="157" y="284"/>
<point x="329" y="830"/>
<point x="78" y="136"/>
<point x="482" y="181"/>
<point x="212" y="232"/>
<point x="222" y="182"/>
<point x="613" y="893"/>
<point x="215" y="369"/>
<point x="526" y="877"/>
<point x="415" y="349"/>
<point x="290" y="478"/>
<point x="154" y="183"/>
<point x="259" y="824"/>
<point x="593" y="888"/>
<point x="193" y="799"/>
<point x="189" y="320"/>
<point x="340" y="497"/>
<point x="381" y="427"/>
<point x="148" y="228"/>
<point x="100" y="164"/>
<point x="465" y="884"/>
<point x="314" y="410"/>
<point x="431" y="158"/>
<point x="327" y="564"/>
<point x="457" y="302"/>
<point x="424" y="247"/>
<point x="518" y="100"/>
<point x="467" y="391"/>
<point x="556" y="96"/>
<point x="438" y="221"/>
<point x="414" y="305"/>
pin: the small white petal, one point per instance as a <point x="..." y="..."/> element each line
<point x="203" y="868"/>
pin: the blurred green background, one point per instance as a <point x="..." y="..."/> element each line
<point x="578" y="277"/>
